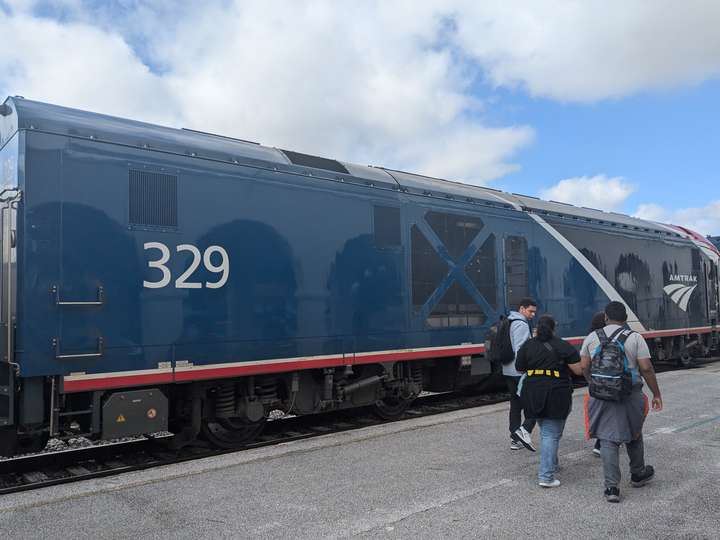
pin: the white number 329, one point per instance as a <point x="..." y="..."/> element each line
<point x="182" y="282"/>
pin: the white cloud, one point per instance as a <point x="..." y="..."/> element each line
<point x="705" y="220"/>
<point x="357" y="92"/>
<point x="321" y="77"/>
<point x="386" y="83"/>
<point x="77" y="65"/>
<point x="598" y="49"/>
<point x="652" y="212"/>
<point x="597" y="191"/>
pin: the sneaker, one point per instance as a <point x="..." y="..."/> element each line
<point x="596" y="448"/>
<point x="639" y="480"/>
<point x="516" y="446"/>
<point x="612" y="494"/>
<point x="549" y="483"/>
<point x="523" y="437"/>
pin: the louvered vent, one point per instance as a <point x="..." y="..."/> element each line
<point x="314" y="161"/>
<point x="153" y="199"/>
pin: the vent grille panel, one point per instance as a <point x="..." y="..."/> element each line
<point x="314" y="161"/>
<point x="153" y="199"/>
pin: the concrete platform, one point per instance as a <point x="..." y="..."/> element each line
<point x="448" y="476"/>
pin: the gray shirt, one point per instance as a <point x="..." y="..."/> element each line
<point x="519" y="334"/>
<point x="635" y="347"/>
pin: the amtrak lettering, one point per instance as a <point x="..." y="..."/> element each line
<point x="681" y="292"/>
<point x="683" y="277"/>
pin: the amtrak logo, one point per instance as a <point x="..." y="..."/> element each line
<point x="680" y="293"/>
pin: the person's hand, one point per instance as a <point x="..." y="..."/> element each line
<point x="657" y="404"/>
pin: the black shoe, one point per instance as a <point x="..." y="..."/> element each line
<point x="612" y="494"/>
<point x="639" y="480"/>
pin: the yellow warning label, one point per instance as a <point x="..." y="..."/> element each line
<point x="120" y="419"/>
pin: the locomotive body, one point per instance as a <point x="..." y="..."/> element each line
<point x="157" y="279"/>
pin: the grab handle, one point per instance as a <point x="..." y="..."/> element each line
<point x="55" y="290"/>
<point x="97" y="354"/>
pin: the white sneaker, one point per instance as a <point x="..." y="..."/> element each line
<point x="550" y="484"/>
<point x="523" y="437"/>
<point x="516" y="446"/>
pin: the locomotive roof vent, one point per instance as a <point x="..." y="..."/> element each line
<point x="306" y="160"/>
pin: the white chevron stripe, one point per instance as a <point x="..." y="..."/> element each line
<point x="677" y="295"/>
<point x="683" y="304"/>
<point x="680" y="294"/>
<point x="669" y="289"/>
<point x="603" y="283"/>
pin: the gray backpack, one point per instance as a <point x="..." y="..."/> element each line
<point x="610" y="376"/>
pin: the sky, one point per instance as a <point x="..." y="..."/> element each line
<point x="607" y="104"/>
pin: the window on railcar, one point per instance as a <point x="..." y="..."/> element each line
<point x="516" y="270"/>
<point x="455" y="232"/>
<point x="482" y="271"/>
<point x="457" y="307"/>
<point x="428" y="269"/>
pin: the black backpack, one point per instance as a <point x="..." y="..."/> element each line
<point x="610" y="377"/>
<point x="501" y="351"/>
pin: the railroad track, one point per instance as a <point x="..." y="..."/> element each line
<point x="45" y="469"/>
<point x="72" y="465"/>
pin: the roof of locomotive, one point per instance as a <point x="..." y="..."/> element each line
<point x="18" y="113"/>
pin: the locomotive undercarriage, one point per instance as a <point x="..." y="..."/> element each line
<point x="229" y="413"/>
<point x="684" y="350"/>
<point x="234" y="411"/>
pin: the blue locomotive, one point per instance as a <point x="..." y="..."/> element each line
<point x="160" y="279"/>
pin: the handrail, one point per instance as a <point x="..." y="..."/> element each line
<point x="55" y="290"/>
<point x="100" y="350"/>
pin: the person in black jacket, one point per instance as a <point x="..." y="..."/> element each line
<point x="546" y="392"/>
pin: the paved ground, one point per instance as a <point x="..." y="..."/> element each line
<point x="449" y="476"/>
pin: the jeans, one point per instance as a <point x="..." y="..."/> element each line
<point x="551" y="429"/>
<point x="516" y="407"/>
<point x="610" y="453"/>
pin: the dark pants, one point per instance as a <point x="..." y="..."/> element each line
<point x="516" y="407"/>
<point x="610" y="452"/>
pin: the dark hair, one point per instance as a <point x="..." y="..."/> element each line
<point x="545" y="328"/>
<point x="616" y="311"/>
<point x="598" y="321"/>
<point x="527" y="302"/>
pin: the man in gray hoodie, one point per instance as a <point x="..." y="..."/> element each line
<point x="520" y="332"/>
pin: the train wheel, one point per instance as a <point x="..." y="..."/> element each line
<point x="231" y="433"/>
<point x="686" y="360"/>
<point x="391" y="407"/>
